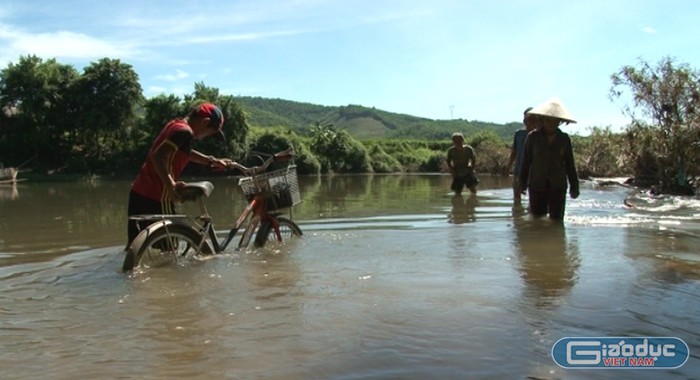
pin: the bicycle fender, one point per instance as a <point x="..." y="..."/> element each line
<point x="146" y="232"/>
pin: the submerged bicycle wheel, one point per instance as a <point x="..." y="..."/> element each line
<point x="266" y="232"/>
<point x="173" y="243"/>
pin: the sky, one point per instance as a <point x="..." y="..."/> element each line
<point x="438" y="59"/>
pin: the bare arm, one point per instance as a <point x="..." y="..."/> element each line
<point x="215" y="163"/>
<point x="525" y="164"/>
<point x="450" y="164"/>
<point x="473" y="163"/>
<point x="513" y="153"/>
<point x="511" y="159"/>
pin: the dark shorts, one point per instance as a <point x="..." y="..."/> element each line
<point x="138" y="205"/>
<point x="548" y="201"/>
<point x="469" y="180"/>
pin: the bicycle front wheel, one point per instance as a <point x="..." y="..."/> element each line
<point x="174" y="243"/>
<point x="266" y="232"/>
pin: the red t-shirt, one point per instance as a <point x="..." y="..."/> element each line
<point x="178" y="133"/>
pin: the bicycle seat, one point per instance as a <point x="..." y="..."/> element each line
<point x="193" y="190"/>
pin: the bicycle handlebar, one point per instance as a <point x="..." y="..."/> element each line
<point x="282" y="156"/>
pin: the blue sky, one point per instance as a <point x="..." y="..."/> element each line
<point x="440" y="59"/>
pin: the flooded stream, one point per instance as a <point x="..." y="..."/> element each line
<point x="394" y="278"/>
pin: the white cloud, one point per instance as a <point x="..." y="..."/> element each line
<point x="155" y="90"/>
<point x="649" y="30"/>
<point x="217" y="38"/>
<point x="180" y="91"/>
<point x="179" y="74"/>
<point x="63" y="44"/>
<point x="158" y="90"/>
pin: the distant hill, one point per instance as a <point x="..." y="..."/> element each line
<point x="361" y="122"/>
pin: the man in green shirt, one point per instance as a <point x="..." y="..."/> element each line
<point x="461" y="161"/>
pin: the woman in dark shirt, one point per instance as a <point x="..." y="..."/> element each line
<point x="548" y="162"/>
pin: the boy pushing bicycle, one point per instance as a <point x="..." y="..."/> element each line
<point x="155" y="189"/>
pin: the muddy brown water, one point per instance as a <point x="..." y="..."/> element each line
<point x="394" y="279"/>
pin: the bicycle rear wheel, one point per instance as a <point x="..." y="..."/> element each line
<point x="173" y="243"/>
<point x="266" y="232"/>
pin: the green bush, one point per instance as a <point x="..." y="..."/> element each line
<point x="601" y="154"/>
<point x="339" y="152"/>
<point x="272" y="140"/>
<point x="383" y="162"/>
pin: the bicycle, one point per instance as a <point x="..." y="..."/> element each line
<point x="167" y="238"/>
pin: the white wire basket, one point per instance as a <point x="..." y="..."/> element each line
<point x="279" y="187"/>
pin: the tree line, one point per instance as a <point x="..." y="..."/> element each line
<point x="98" y="122"/>
<point x="94" y="122"/>
<point x="362" y="122"/>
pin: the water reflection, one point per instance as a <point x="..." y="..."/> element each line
<point x="548" y="264"/>
<point x="463" y="211"/>
<point x="8" y="192"/>
<point x="273" y="271"/>
<point x="341" y="196"/>
<point x="169" y="316"/>
<point x="672" y="254"/>
<point x="518" y="211"/>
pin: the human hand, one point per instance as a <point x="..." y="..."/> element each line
<point x="231" y="164"/>
<point x="574" y="193"/>
<point x="253" y="170"/>
<point x="172" y="191"/>
<point x="219" y="164"/>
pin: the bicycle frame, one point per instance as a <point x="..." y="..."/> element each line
<point x="164" y="233"/>
<point x="258" y="207"/>
<point x="255" y="212"/>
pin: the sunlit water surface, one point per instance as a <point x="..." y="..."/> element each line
<point x="394" y="279"/>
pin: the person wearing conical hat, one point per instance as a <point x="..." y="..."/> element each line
<point x="548" y="161"/>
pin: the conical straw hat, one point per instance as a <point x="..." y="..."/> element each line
<point x="553" y="108"/>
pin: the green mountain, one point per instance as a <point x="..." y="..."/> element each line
<point x="362" y="122"/>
